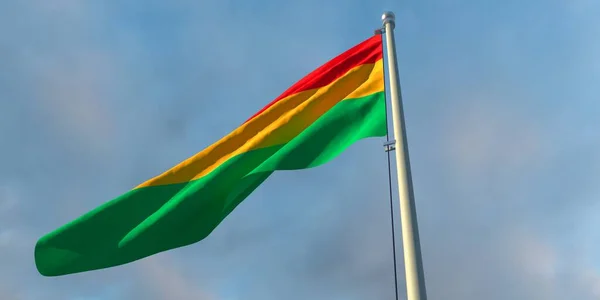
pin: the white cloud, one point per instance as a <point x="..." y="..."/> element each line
<point x="75" y="94"/>
<point x="8" y="199"/>
<point x="159" y="276"/>
<point x="6" y="237"/>
<point x="480" y="136"/>
<point x="68" y="76"/>
<point x="7" y="293"/>
<point x="535" y="258"/>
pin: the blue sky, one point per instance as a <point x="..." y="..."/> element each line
<point x="502" y="108"/>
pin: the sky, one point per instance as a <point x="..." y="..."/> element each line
<point x="501" y="104"/>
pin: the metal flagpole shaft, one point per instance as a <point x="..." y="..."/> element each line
<point x="413" y="263"/>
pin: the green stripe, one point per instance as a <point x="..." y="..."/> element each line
<point x="152" y="219"/>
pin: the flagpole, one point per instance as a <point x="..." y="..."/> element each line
<point x="413" y="262"/>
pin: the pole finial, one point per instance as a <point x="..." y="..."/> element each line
<point x="388" y="17"/>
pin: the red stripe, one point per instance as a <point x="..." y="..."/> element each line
<point x="367" y="52"/>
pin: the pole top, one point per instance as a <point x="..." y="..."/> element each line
<point x="388" y="17"/>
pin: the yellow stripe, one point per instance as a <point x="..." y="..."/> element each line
<point x="278" y="124"/>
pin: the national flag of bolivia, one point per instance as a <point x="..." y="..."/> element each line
<point x="308" y="125"/>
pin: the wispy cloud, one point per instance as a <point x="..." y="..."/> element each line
<point x="159" y="278"/>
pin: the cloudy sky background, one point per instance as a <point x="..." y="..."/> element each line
<point x="502" y="107"/>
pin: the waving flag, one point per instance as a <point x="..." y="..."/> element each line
<point x="308" y="125"/>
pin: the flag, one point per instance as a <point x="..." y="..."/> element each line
<point x="308" y="125"/>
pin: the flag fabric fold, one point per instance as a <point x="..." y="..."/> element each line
<point x="312" y="122"/>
